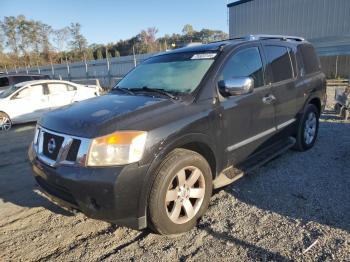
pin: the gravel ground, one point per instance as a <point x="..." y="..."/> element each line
<point x="274" y="213"/>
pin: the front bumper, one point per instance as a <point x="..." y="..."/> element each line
<point x="111" y="194"/>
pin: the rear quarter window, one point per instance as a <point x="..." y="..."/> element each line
<point x="310" y="59"/>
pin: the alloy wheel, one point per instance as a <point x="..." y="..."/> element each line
<point x="185" y="195"/>
<point x="5" y="123"/>
<point x="310" y="128"/>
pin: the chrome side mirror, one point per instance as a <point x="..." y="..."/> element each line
<point x="236" y="86"/>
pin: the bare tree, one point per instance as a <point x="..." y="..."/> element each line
<point x="60" y="38"/>
<point x="78" y="42"/>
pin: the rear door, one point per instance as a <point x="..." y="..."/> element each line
<point x="247" y="120"/>
<point x="59" y="94"/>
<point x="282" y="77"/>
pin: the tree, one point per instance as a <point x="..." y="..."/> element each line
<point x="9" y="27"/>
<point x="188" y="30"/>
<point x="78" y="42"/>
<point x="2" y="39"/>
<point x="99" y="54"/>
<point x="60" y="38"/>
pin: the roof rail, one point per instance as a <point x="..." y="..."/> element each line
<point x="280" y="37"/>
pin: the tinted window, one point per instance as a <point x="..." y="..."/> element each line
<point x="278" y="58"/>
<point x="19" y="79"/>
<point x="4" y="81"/>
<point x="40" y="77"/>
<point x="245" y="63"/>
<point x="310" y="59"/>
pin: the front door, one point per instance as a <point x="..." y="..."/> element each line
<point x="28" y="104"/>
<point x="248" y="120"/>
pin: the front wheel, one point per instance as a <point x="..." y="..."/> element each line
<point x="180" y="193"/>
<point x="307" y="129"/>
<point x="5" y="122"/>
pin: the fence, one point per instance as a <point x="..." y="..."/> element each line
<point x="336" y="66"/>
<point x="107" y="71"/>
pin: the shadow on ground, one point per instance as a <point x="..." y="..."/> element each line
<point x="17" y="185"/>
<point x="310" y="186"/>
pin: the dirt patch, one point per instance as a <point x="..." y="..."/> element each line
<point x="274" y="213"/>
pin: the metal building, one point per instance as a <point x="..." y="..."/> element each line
<point x="325" y="23"/>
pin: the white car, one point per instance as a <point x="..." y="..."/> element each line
<point x="27" y="101"/>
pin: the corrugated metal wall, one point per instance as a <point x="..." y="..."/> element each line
<point x="325" y="23"/>
<point x="308" y="18"/>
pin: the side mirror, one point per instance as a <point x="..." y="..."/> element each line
<point x="236" y="86"/>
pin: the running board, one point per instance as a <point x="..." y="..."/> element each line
<point x="231" y="174"/>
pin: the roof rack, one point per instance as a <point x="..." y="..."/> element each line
<point x="280" y="37"/>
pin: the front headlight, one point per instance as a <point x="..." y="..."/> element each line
<point x="119" y="148"/>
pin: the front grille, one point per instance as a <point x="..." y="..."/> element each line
<point x="56" y="190"/>
<point x="52" y="145"/>
<point x="73" y="150"/>
<point x="55" y="149"/>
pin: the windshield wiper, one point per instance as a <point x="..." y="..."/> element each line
<point x="125" y="90"/>
<point x="156" y="90"/>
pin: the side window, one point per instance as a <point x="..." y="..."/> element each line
<point x="71" y="88"/>
<point x="280" y="62"/>
<point x="20" y="79"/>
<point x="245" y="63"/>
<point x="310" y="59"/>
<point x="57" y="88"/>
<point x="4" y="81"/>
<point x="30" y="92"/>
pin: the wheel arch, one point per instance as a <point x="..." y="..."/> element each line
<point x="196" y="142"/>
<point x="316" y="102"/>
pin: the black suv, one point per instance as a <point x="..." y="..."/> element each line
<point x="7" y="80"/>
<point x="181" y="123"/>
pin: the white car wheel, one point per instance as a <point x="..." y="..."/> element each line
<point x="5" y="122"/>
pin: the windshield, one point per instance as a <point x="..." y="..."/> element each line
<point x="9" y="91"/>
<point x="172" y="73"/>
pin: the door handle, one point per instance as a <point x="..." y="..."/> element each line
<point x="269" y="99"/>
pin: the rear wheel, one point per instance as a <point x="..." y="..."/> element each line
<point x="180" y="193"/>
<point x="307" y="129"/>
<point x="5" y="122"/>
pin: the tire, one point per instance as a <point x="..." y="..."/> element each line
<point x="176" y="216"/>
<point x="307" y="129"/>
<point x="5" y="122"/>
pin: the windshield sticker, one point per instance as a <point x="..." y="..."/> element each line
<point x="204" y="56"/>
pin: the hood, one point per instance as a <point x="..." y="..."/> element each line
<point x="101" y="115"/>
